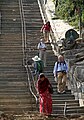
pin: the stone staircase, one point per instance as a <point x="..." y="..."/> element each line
<point x="14" y="90"/>
<point x="15" y="97"/>
<point x="33" y="24"/>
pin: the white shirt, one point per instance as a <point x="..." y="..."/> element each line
<point x="41" y="45"/>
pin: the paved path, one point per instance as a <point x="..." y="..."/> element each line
<point x="59" y="27"/>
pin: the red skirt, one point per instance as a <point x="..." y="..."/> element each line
<point x="45" y="103"/>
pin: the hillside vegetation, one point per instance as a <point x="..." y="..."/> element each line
<point x="70" y="10"/>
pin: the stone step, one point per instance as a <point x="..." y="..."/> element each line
<point x="67" y="101"/>
<point x="10" y="31"/>
<point x="33" y="115"/>
<point x="68" y="104"/>
<point x="10" y="41"/>
<point x="28" y="13"/>
<point x="7" y="7"/>
<point x="11" y="54"/>
<point x="12" y="90"/>
<point x="11" y="37"/>
<point x="12" y="20"/>
<point x="11" y="24"/>
<point x="33" y="20"/>
<point x="11" y="51"/>
<point x="78" y="110"/>
<point x="5" y="29"/>
<point x="75" y="108"/>
<point x="7" y="71"/>
<point x="10" y="11"/>
<point x="64" y="98"/>
<point x="11" y="15"/>
<point x="13" y="79"/>
<point x="35" y="4"/>
<point x="16" y="96"/>
<point x="31" y="9"/>
<point x="61" y="108"/>
<point x="14" y="68"/>
<point x="12" y="73"/>
<point x="33" y="16"/>
<point x="72" y="113"/>
<point x="12" y="84"/>
<point x="34" y="24"/>
<point x="18" y="103"/>
<point x="13" y="58"/>
<point x="11" y="63"/>
<point x="16" y="109"/>
<point x="11" y="3"/>
<point x="10" y="47"/>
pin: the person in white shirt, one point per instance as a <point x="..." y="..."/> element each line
<point x="42" y="51"/>
<point x="60" y="72"/>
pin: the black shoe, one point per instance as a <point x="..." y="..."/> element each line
<point x="58" y="92"/>
<point x="49" y="116"/>
<point x="63" y="92"/>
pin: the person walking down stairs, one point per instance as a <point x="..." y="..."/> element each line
<point x="42" y="51"/>
<point x="38" y="66"/>
<point x="46" y="31"/>
<point x="60" y="74"/>
<point x="45" y="99"/>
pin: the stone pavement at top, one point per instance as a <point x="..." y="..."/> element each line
<point x="59" y="27"/>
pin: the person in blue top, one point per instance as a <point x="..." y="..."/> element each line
<point x="60" y="73"/>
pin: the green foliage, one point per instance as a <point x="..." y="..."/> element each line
<point x="69" y="10"/>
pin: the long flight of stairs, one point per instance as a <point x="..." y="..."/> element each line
<point x="33" y="25"/>
<point x="14" y="90"/>
<point x="15" y="96"/>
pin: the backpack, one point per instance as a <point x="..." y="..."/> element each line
<point x="59" y="62"/>
<point x="40" y="66"/>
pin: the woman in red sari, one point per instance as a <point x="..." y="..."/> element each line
<point x="45" y="99"/>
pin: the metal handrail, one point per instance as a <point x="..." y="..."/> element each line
<point x="22" y="24"/>
<point x="65" y="107"/>
<point x="30" y="85"/>
<point x="24" y="47"/>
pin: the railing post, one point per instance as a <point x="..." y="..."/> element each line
<point x="65" y="109"/>
<point x="23" y="31"/>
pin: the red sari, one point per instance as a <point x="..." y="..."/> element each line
<point x="45" y="99"/>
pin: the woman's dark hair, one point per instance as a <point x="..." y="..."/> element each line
<point x="48" y="23"/>
<point x="41" y="75"/>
